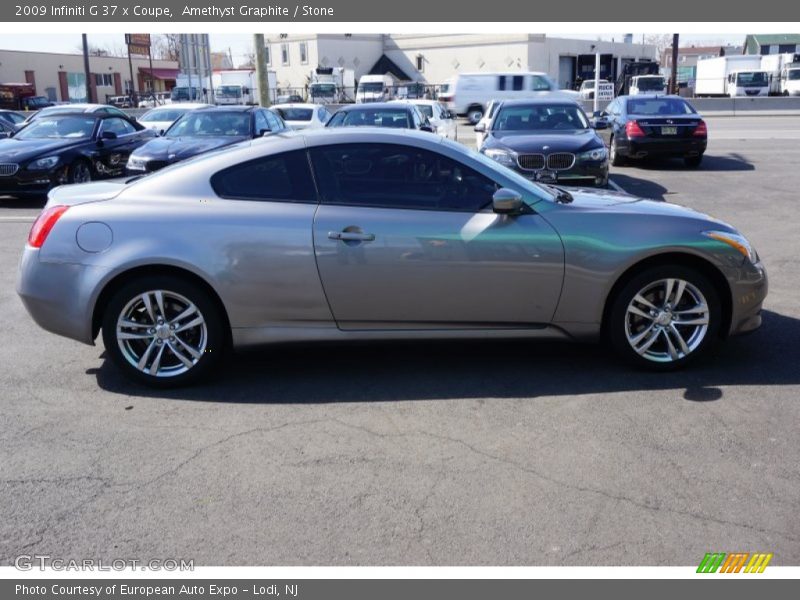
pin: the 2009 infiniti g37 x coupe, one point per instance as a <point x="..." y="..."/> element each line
<point x="370" y="233"/>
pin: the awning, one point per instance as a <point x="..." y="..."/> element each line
<point x="159" y="73"/>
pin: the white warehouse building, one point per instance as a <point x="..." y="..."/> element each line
<point x="433" y="59"/>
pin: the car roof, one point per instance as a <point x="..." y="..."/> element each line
<point x="541" y="100"/>
<point x="653" y="97"/>
<point x="296" y="105"/>
<point x="233" y="108"/>
<point x="371" y="105"/>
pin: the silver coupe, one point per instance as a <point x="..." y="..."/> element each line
<point x="363" y="233"/>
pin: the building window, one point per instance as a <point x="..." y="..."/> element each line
<point x="420" y="63"/>
<point x="268" y="54"/>
<point x="128" y="86"/>
<point x="785" y="48"/>
<point x="103" y="80"/>
<point x="285" y="54"/>
<point x="765" y="49"/>
<point x="303" y="53"/>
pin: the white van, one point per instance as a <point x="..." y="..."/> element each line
<point x="468" y="94"/>
<point x="374" y="88"/>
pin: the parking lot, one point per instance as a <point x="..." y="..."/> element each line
<point x="492" y="453"/>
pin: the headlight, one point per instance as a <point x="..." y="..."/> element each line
<point x="44" y="163"/>
<point x="504" y="157"/>
<point x="737" y="241"/>
<point x="136" y="164"/>
<point x="595" y="154"/>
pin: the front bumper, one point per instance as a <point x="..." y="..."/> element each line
<point x="582" y="173"/>
<point x="25" y="183"/>
<point x="644" y="147"/>
<point x="59" y="297"/>
<point x="749" y="288"/>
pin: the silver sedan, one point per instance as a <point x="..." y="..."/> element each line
<point x="359" y="234"/>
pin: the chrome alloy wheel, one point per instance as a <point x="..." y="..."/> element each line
<point x="667" y="320"/>
<point x="81" y="173"/>
<point x="161" y="333"/>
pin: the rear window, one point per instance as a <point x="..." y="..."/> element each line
<point x="295" y="114"/>
<point x="283" y="177"/>
<point x="659" y="106"/>
<point x="371" y="117"/>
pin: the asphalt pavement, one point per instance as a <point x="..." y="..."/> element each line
<point x="489" y="453"/>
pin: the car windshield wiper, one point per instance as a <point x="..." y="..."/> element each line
<point x="561" y="194"/>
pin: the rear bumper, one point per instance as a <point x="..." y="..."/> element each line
<point x="748" y="291"/>
<point x="644" y="147"/>
<point x="59" y="297"/>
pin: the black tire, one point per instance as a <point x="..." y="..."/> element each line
<point x="693" y="161"/>
<point x="206" y="339"/>
<point x="622" y="326"/>
<point x="79" y="171"/>
<point x="474" y="114"/>
<point x="614" y="157"/>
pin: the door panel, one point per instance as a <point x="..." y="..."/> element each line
<point x="435" y="269"/>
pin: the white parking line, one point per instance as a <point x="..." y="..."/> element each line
<point x="17" y="219"/>
<point x="616" y="186"/>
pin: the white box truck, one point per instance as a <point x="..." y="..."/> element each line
<point x="375" y="88"/>
<point x="775" y="65"/>
<point x="790" y="80"/>
<point x="240" y="87"/>
<point x="190" y="88"/>
<point x="329" y="85"/>
<point x="732" y="76"/>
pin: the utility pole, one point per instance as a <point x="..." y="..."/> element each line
<point x="596" y="82"/>
<point x="673" y="84"/>
<point x="86" y="69"/>
<point x="261" y="69"/>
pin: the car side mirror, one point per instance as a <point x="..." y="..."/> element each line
<point x="263" y="132"/>
<point x="109" y="135"/>
<point x="600" y="124"/>
<point x="162" y="131"/>
<point x="480" y="128"/>
<point x="507" y="202"/>
<point x="426" y="127"/>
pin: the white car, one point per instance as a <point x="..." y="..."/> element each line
<point x="153" y="100"/>
<point x="303" y="115"/>
<point x="443" y="121"/>
<point x="485" y="120"/>
<point x="162" y="117"/>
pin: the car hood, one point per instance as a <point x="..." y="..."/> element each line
<point x="16" y="151"/>
<point x="526" y="141"/>
<point x="590" y="199"/>
<point x="178" y="148"/>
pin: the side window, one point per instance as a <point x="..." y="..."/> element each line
<point x="322" y="115"/>
<point x="283" y="177"/>
<point x="261" y="122"/>
<point x="118" y="126"/>
<point x="415" y="115"/>
<point x="539" y="84"/>
<point x="501" y="82"/>
<point x="397" y="176"/>
<point x="275" y="122"/>
<point x="517" y="82"/>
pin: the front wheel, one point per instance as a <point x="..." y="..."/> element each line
<point x="665" y="318"/>
<point x="79" y="172"/>
<point x="474" y="115"/>
<point x="614" y="157"/>
<point x="163" y="331"/>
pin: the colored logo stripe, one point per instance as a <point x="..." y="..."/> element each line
<point x="711" y="562"/>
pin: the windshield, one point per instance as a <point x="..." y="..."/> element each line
<point x="230" y="91"/>
<point x="540" y="117"/>
<point x="659" y="106"/>
<point x="211" y="124"/>
<point x="295" y="114"/>
<point x="426" y="109"/>
<point x="651" y="83"/>
<point x="793" y="75"/>
<point x="63" y="127"/>
<point x="369" y="117"/>
<point x="37" y="101"/>
<point x="162" y="114"/>
<point x="182" y="93"/>
<point x="323" y="89"/>
<point x="371" y="86"/>
<point x="751" y="79"/>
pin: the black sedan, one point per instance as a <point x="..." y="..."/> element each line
<point x="67" y="148"/>
<point x="546" y="140"/>
<point x="645" y="126"/>
<point x="380" y="114"/>
<point x="203" y="130"/>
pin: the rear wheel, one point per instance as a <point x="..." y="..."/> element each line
<point x="474" y="114"/>
<point x="163" y="331"/>
<point x="79" y="172"/>
<point x="665" y="318"/>
<point x="693" y="161"/>
<point x="614" y="157"/>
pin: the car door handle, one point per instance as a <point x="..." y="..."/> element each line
<point x="351" y="236"/>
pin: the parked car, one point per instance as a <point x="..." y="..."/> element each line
<point x="302" y="115"/>
<point x="468" y="94"/>
<point x="10" y="122"/>
<point x="152" y="100"/>
<point x="482" y="127"/>
<point x="202" y="130"/>
<point x="121" y="101"/>
<point x="161" y="118"/>
<point x="360" y="234"/>
<point x="646" y="126"/>
<point x="67" y="148"/>
<point x="77" y="108"/>
<point x="441" y="119"/>
<point x="547" y="140"/>
<point x="380" y="114"/>
<point x="289" y="99"/>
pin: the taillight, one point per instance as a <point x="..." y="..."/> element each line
<point x="43" y="224"/>
<point x="701" y="130"/>
<point x="633" y="130"/>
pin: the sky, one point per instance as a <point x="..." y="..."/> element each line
<point x="240" y="44"/>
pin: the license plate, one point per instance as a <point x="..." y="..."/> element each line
<point x="546" y="176"/>
<point x="669" y="131"/>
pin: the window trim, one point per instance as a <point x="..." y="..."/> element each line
<point x="303" y="49"/>
<point x="285" y="62"/>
